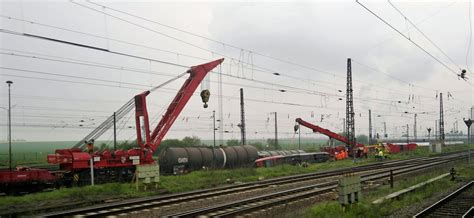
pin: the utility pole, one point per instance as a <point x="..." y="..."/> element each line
<point x="350" y="110"/>
<point x="441" y="119"/>
<point x="370" y="127"/>
<point x="214" y="145"/>
<point x="298" y="128"/>
<point x="115" y="134"/>
<point x="414" y="129"/>
<point x="436" y="130"/>
<point x="276" y="131"/>
<point x="299" y="137"/>
<point x="408" y="134"/>
<point x="9" y="126"/>
<point x="242" y="117"/>
<point x="429" y="131"/>
<point x="344" y="127"/>
<point x="385" y="130"/>
<point x="468" y="124"/>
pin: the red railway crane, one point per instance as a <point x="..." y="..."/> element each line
<point x="326" y="132"/>
<point x="331" y="135"/>
<point x="120" y="164"/>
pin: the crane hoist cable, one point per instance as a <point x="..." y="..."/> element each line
<point x="119" y="114"/>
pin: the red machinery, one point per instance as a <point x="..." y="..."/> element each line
<point x="24" y="179"/>
<point x="328" y="133"/>
<point x="120" y="164"/>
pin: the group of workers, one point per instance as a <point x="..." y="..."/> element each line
<point x="362" y="152"/>
<point x="340" y="155"/>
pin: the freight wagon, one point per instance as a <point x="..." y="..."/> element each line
<point x="293" y="159"/>
<point x="280" y="152"/>
<point x="178" y="160"/>
<point x="24" y="179"/>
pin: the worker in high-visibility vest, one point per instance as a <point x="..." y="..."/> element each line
<point x="381" y="157"/>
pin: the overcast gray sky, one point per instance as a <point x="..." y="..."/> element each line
<point x="391" y="75"/>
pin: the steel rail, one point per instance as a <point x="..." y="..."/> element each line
<point x="293" y="194"/>
<point x="444" y="201"/>
<point x="155" y="201"/>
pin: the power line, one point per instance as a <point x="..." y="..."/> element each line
<point x="209" y="39"/>
<point x="159" y="73"/>
<point x="205" y="49"/>
<point x="87" y="46"/>
<point x="408" y="38"/>
<point x="260" y="69"/>
<point x="171" y="90"/>
<point x="224" y="43"/>
<point x="423" y="34"/>
<point x="470" y="38"/>
<point x="96" y="64"/>
<point x="75" y="77"/>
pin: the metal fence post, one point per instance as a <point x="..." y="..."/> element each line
<point x="92" y="170"/>
<point x="391" y="178"/>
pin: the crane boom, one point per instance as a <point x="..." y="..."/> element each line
<point x="326" y="132"/>
<point x="150" y="141"/>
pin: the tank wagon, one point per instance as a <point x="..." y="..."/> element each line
<point x="178" y="160"/>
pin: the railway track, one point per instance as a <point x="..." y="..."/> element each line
<point x="249" y="205"/>
<point x="143" y="204"/>
<point x="457" y="204"/>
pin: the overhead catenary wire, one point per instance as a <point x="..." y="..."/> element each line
<point x="210" y="39"/>
<point x="88" y="47"/>
<point x="297" y="90"/>
<point x="408" y="38"/>
<point x="33" y="55"/>
<point x="469" y="49"/>
<point x="204" y="37"/>
<point x="180" y="54"/>
<point x="423" y="34"/>
<point x="96" y="64"/>
<point x="199" y="47"/>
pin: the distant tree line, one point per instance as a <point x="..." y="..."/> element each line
<point x="185" y="142"/>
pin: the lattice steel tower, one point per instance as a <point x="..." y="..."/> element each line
<point x="370" y="128"/>
<point x="350" y="126"/>
<point x="242" y="117"/>
<point x="441" y="118"/>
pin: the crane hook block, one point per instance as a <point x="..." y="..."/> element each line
<point x="205" y="94"/>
